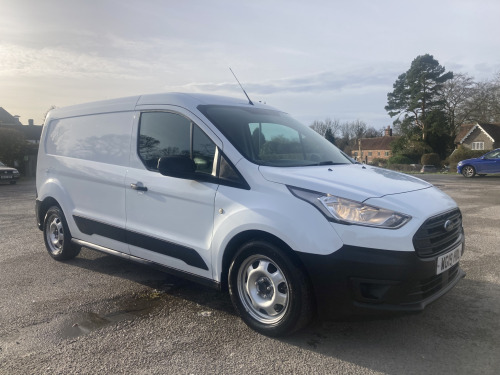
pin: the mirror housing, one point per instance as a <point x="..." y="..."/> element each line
<point x="177" y="166"/>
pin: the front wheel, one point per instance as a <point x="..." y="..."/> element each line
<point x="57" y="236"/>
<point x="269" y="290"/>
<point x="468" y="171"/>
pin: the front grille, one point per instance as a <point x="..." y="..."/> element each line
<point x="6" y="172"/>
<point x="439" y="234"/>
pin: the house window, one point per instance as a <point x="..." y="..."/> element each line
<point x="355" y="153"/>
<point x="387" y="153"/>
<point x="369" y="153"/>
<point x="378" y="153"/>
<point x="477" y="146"/>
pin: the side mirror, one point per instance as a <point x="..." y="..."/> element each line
<point x="177" y="166"/>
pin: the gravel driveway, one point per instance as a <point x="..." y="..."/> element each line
<point x="98" y="314"/>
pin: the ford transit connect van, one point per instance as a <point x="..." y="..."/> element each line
<point x="241" y="196"/>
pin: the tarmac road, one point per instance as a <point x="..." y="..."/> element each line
<point x="99" y="314"/>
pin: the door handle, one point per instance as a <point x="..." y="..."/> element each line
<point x="138" y="188"/>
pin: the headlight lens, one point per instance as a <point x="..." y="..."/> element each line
<point x="351" y="212"/>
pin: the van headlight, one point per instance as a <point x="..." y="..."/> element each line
<point x="347" y="211"/>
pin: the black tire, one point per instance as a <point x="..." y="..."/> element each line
<point x="468" y="171"/>
<point x="57" y="236"/>
<point x="269" y="290"/>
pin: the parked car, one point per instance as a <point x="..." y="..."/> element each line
<point x="486" y="164"/>
<point x="8" y="174"/>
<point x="428" y="169"/>
<point x="241" y="197"/>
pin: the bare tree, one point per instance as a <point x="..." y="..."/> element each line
<point x="458" y="96"/>
<point x="345" y="134"/>
<point x="321" y="127"/>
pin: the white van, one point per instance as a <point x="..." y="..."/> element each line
<point x="241" y="196"/>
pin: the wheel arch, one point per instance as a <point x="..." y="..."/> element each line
<point x="42" y="209"/>
<point x="253" y="235"/>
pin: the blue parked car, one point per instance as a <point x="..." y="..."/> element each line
<point x="488" y="163"/>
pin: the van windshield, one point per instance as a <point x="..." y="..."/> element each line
<point x="272" y="138"/>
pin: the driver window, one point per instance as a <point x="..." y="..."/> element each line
<point x="168" y="134"/>
<point x="493" y="155"/>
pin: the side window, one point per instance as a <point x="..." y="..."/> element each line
<point x="493" y="155"/>
<point x="167" y="134"/>
<point x="163" y="134"/>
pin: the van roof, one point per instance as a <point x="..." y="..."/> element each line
<point x="185" y="100"/>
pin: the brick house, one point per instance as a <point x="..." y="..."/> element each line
<point x="374" y="148"/>
<point x="479" y="136"/>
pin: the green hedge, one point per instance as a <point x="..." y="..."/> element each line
<point x="462" y="153"/>
<point x="399" y="159"/>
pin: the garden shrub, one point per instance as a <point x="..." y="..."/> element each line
<point x="431" y="159"/>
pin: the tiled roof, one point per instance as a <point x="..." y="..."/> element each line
<point x="493" y="130"/>
<point x="464" y="130"/>
<point x="377" y="143"/>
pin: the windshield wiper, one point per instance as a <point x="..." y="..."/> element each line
<point x="327" y="162"/>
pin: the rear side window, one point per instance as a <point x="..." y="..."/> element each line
<point x="103" y="138"/>
<point x="167" y="134"/>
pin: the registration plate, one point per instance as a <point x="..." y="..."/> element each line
<point x="5" y="177"/>
<point x="448" y="260"/>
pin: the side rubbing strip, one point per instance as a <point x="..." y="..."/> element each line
<point x="92" y="227"/>
<point x="186" y="254"/>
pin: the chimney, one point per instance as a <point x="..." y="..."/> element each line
<point x="30" y="122"/>
<point x="388" y="131"/>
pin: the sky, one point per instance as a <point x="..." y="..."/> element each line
<point x="313" y="59"/>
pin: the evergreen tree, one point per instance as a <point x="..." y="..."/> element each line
<point x="416" y="94"/>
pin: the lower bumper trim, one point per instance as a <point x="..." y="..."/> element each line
<point x="355" y="280"/>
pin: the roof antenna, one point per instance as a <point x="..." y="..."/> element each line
<point x="249" y="101"/>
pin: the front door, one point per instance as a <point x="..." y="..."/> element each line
<point x="491" y="162"/>
<point x="170" y="220"/>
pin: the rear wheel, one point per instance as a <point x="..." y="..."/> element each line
<point x="57" y="236"/>
<point x="468" y="171"/>
<point x="269" y="290"/>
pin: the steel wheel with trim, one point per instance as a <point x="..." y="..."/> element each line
<point x="57" y="236"/>
<point x="269" y="289"/>
<point x="468" y="171"/>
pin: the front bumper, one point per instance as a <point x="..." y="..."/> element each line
<point x="355" y="280"/>
<point x="8" y="177"/>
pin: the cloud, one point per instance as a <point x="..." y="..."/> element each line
<point x="53" y="61"/>
<point x="328" y="81"/>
